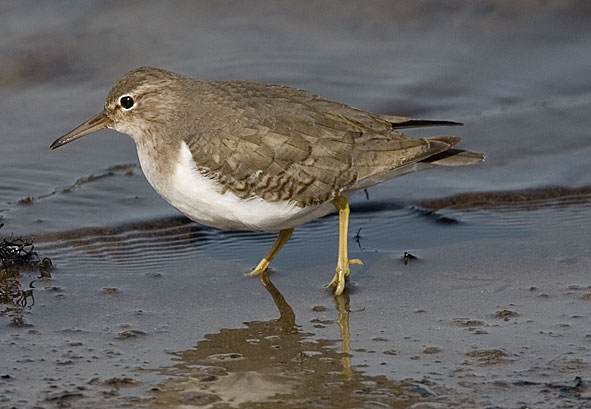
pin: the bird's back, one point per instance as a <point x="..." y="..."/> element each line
<point x="281" y="143"/>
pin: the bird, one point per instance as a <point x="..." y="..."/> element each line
<point x="241" y="155"/>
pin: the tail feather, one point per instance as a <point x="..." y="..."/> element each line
<point x="450" y="140"/>
<point x="455" y="157"/>
<point x="401" y="122"/>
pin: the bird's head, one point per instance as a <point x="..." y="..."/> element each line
<point x="140" y="102"/>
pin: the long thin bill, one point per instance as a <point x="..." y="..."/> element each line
<point x="96" y="123"/>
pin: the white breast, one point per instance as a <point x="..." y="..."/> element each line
<point x="199" y="198"/>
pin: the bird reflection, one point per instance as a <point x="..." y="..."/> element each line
<point x="274" y="364"/>
<point x="342" y="303"/>
<point x="287" y="316"/>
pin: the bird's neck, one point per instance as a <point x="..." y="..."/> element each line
<point x="158" y="159"/>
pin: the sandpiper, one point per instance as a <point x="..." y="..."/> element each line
<point x="251" y="156"/>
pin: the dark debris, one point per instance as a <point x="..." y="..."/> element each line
<point x="573" y="389"/>
<point x="407" y="257"/>
<point x="18" y="255"/>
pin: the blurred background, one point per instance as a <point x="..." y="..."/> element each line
<point x="514" y="72"/>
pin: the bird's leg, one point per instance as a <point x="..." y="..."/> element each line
<point x="283" y="237"/>
<point x="342" y="274"/>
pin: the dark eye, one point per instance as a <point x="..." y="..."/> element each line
<point x="126" y="102"/>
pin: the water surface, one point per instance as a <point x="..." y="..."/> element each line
<point x="148" y="309"/>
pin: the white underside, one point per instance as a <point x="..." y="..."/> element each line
<point x="198" y="197"/>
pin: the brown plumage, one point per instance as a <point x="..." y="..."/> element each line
<point x="275" y="142"/>
<point x="246" y="155"/>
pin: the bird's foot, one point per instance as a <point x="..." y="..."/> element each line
<point x="257" y="271"/>
<point x="341" y="276"/>
<point x="263" y="265"/>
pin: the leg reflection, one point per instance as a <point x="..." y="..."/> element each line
<point x="287" y="319"/>
<point x="286" y="314"/>
<point x="342" y="303"/>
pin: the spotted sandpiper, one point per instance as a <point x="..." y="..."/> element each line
<point x="251" y="156"/>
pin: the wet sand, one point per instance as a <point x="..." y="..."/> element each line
<point x="147" y="309"/>
<point x="154" y="315"/>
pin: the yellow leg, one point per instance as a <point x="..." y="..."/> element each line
<point x="342" y="274"/>
<point x="284" y="236"/>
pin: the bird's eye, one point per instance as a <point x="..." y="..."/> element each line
<point x="126" y="102"/>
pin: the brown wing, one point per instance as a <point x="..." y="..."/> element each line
<point x="280" y="143"/>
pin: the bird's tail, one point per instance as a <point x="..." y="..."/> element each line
<point x="453" y="157"/>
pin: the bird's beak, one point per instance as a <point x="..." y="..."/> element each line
<point x="96" y="123"/>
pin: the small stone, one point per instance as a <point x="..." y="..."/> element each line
<point x="506" y="314"/>
<point x="379" y="339"/>
<point x="110" y="290"/>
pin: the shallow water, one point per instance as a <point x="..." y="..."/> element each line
<point x="146" y="309"/>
